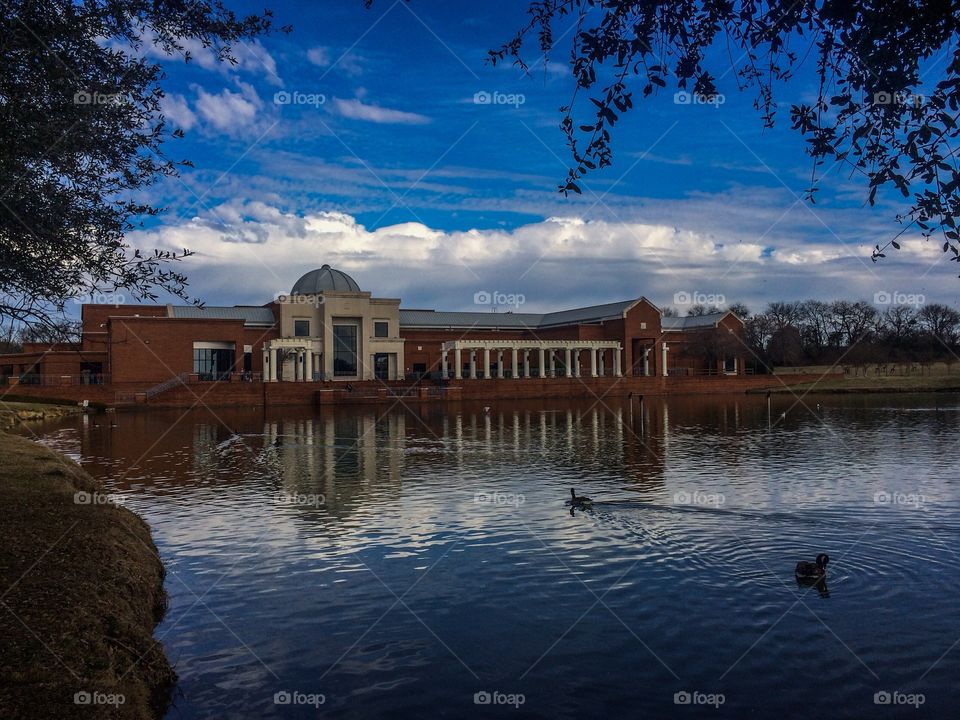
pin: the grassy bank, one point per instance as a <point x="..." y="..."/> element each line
<point x="14" y="413"/>
<point x="81" y="590"/>
<point x="871" y="384"/>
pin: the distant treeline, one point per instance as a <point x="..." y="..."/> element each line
<point x="813" y="332"/>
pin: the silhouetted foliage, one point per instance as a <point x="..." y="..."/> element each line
<point x="81" y="135"/>
<point x="852" y="333"/>
<point x="869" y="59"/>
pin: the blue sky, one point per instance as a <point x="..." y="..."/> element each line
<point x="358" y="141"/>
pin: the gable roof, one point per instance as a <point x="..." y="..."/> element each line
<point x="694" y="322"/>
<point x="511" y="320"/>
<point x="251" y="315"/>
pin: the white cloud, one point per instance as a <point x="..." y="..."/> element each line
<point x="230" y="112"/>
<point x="251" y="57"/>
<point x="177" y="110"/>
<point x="357" y="110"/>
<point x="348" y="63"/>
<point x="319" y="56"/>
<point x="555" y="263"/>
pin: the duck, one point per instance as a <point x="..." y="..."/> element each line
<point x="579" y="501"/>
<point x="816" y="569"/>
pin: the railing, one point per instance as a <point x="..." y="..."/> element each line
<point x="173" y="382"/>
<point x="47" y="380"/>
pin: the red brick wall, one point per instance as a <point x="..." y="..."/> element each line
<point x="153" y="349"/>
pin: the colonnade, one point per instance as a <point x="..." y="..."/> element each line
<point x="480" y="356"/>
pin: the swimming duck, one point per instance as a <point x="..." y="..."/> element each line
<point x="816" y="569"/>
<point x="579" y="501"/>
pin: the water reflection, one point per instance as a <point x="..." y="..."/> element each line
<point x="442" y="560"/>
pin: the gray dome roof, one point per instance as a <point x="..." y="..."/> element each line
<point x="324" y="278"/>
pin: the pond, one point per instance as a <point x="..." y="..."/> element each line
<point x="421" y="561"/>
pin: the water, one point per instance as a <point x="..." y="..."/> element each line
<point x="396" y="563"/>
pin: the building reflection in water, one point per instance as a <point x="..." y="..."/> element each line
<point x="343" y="453"/>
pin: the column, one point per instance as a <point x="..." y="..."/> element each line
<point x="501" y="370"/>
<point x="593" y="362"/>
<point x="663" y="361"/>
<point x="266" y="364"/>
<point x="526" y="363"/>
<point x="277" y="366"/>
<point x="616" y="363"/>
<point x="457" y="364"/>
<point x="486" y="363"/>
<point x="540" y="368"/>
<point x="516" y="372"/>
<point x="646" y="362"/>
<point x="568" y="367"/>
<point x="473" y="364"/>
<point x="443" y="364"/>
<point x="576" y="362"/>
<point x="309" y="364"/>
<point x="553" y="366"/>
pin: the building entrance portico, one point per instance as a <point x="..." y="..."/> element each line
<point x="292" y="359"/>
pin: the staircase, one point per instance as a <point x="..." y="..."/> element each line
<point x="175" y="381"/>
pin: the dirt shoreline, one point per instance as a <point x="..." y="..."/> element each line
<point x="81" y="591"/>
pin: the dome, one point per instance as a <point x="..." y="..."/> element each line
<point x="324" y="278"/>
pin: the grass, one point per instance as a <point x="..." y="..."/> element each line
<point x="934" y="382"/>
<point x="81" y="590"/>
<point x="13" y="413"/>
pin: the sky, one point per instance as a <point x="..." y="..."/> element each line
<point x="381" y="142"/>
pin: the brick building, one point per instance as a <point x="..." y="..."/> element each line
<point x="328" y="329"/>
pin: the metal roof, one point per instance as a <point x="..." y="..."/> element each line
<point x="519" y="321"/>
<point x="593" y="313"/>
<point x="250" y="314"/>
<point x="435" y="319"/>
<point x="324" y="278"/>
<point x="692" y="322"/>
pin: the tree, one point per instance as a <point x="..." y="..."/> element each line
<point x="785" y="346"/>
<point x="941" y="323"/>
<point x="868" y="114"/>
<point x="701" y="309"/>
<point x="81" y="136"/>
<point x="740" y="310"/>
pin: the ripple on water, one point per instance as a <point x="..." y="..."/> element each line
<point x="443" y="562"/>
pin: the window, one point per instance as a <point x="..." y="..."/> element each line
<point x="91" y="373"/>
<point x="345" y="350"/>
<point x="301" y="328"/>
<point x="211" y="362"/>
<point x="381" y="328"/>
<point x="381" y="366"/>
